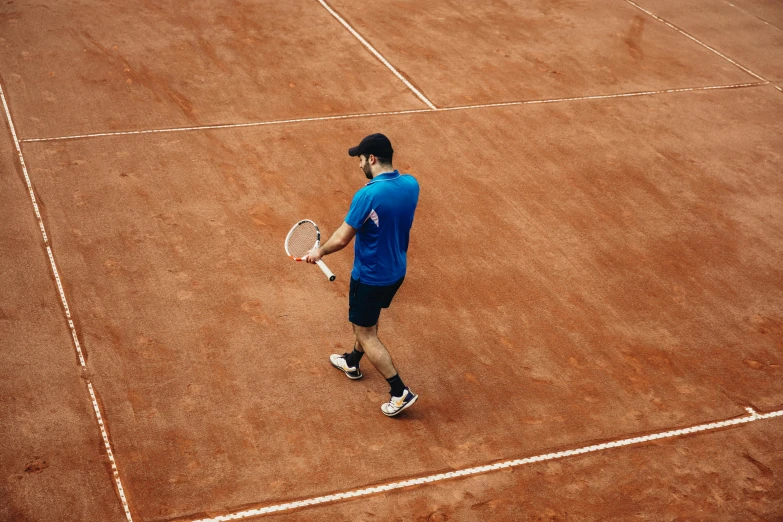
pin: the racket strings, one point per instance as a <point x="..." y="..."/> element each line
<point x="302" y="239"/>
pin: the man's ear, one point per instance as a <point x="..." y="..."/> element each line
<point x="371" y="159"/>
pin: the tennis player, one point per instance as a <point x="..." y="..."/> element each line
<point x="381" y="216"/>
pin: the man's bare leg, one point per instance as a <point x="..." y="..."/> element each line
<point x="367" y="341"/>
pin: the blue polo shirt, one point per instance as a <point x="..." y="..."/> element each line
<point x="382" y="213"/>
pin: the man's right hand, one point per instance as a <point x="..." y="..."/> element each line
<point x="314" y="255"/>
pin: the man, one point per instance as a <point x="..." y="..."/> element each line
<point x="381" y="216"/>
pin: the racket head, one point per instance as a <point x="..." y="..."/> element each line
<point x="302" y="237"/>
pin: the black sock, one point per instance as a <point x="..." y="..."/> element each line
<point x="397" y="386"/>
<point x="353" y="358"/>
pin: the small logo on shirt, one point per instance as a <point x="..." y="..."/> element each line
<point x="374" y="216"/>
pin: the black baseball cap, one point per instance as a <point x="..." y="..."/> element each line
<point x="376" y="144"/>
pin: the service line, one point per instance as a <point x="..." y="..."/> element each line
<point x="751" y="417"/>
<point x="608" y="96"/>
<point x="378" y="55"/>
<point x="392" y="113"/>
<point x="64" y="301"/>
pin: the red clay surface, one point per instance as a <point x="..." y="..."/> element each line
<point x="733" y="476"/>
<point x="579" y="272"/>
<point x="617" y="274"/>
<point x="748" y="32"/>
<point x="768" y="11"/>
<point x="72" y="68"/>
<point x="461" y="54"/>
<point x="765" y="10"/>
<point x="52" y="462"/>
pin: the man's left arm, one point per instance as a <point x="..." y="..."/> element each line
<point x="339" y="240"/>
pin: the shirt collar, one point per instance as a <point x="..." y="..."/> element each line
<point x="386" y="176"/>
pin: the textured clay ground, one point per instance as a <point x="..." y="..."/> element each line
<point x="580" y="271"/>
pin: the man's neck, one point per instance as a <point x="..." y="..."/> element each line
<point x="385" y="170"/>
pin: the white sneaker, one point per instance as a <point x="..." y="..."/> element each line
<point x="397" y="404"/>
<point x="338" y="361"/>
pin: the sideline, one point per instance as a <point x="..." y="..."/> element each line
<point x="378" y="55"/>
<point x="691" y="37"/>
<point x="84" y="373"/>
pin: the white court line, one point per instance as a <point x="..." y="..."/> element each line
<point x="82" y="363"/>
<point x="607" y="96"/>
<point x="751" y="417"/>
<point x="225" y="125"/>
<point x="695" y="40"/>
<point x="389" y="113"/>
<point x="738" y="8"/>
<point x="378" y="55"/>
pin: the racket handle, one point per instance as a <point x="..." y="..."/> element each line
<point x="325" y="270"/>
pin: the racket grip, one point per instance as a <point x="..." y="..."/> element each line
<point x="325" y="270"/>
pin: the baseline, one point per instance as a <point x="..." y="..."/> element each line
<point x="72" y="327"/>
<point x="393" y="113"/>
<point x="751" y="417"/>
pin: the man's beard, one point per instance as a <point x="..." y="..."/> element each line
<point x="367" y="170"/>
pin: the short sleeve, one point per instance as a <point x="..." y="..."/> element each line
<point x="361" y="206"/>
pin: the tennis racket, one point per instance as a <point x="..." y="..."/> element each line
<point x="303" y="237"/>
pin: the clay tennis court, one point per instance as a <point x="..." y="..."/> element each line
<point x="593" y="311"/>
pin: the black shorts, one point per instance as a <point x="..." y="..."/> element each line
<point x="365" y="301"/>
